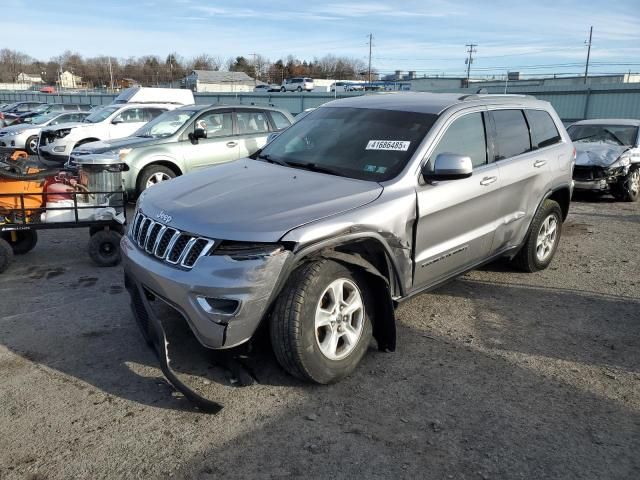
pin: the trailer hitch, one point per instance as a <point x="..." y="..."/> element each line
<point x="155" y="336"/>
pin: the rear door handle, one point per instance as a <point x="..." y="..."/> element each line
<point x="539" y="163"/>
<point x="488" y="180"/>
<point x="231" y="144"/>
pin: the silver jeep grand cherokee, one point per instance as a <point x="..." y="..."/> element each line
<point x="363" y="203"/>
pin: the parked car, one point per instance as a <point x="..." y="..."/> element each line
<point x="361" y="204"/>
<point x="608" y="157"/>
<point x="48" y="89"/>
<point x="266" y="88"/>
<point x="187" y="139"/>
<point x="130" y="110"/>
<point x="7" y="119"/>
<point x="21" y="107"/>
<point x="24" y="136"/>
<point x="54" y="108"/>
<point x="297" y="85"/>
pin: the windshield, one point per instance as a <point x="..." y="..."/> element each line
<point x="166" y="124"/>
<point x="40" y="119"/>
<point x="41" y="108"/>
<point x="100" y="115"/>
<point x="625" y="135"/>
<point x="360" y="143"/>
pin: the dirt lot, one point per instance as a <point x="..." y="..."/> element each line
<point x="499" y="374"/>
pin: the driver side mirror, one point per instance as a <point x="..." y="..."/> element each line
<point x="197" y="134"/>
<point x="117" y="120"/>
<point x="448" y="166"/>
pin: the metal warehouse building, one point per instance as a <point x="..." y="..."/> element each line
<point x="214" y="81"/>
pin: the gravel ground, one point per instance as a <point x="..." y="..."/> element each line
<point x="498" y="374"/>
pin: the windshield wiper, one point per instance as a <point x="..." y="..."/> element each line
<point x="314" y="167"/>
<point x="146" y="135"/>
<point x="268" y="158"/>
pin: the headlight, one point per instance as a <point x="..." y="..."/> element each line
<point x="123" y="152"/>
<point x="12" y="133"/>
<point x="246" y="250"/>
<point x="623" y="161"/>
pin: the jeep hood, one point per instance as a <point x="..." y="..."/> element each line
<point x="127" y="142"/>
<point x="250" y="200"/>
<point x="599" y="154"/>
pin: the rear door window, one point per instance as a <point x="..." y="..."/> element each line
<point x="279" y="120"/>
<point x="465" y="136"/>
<point x="216" y="124"/>
<point x="151" y="113"/>
<point x="512" y="133"/>
<point x="543" y="129"/>
<point x="251" y="122"/>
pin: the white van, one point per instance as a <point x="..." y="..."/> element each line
<point x="297" y="84"/>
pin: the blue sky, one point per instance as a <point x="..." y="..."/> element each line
<point x="428" y="36"/>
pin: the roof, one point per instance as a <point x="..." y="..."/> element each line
<point x="610" y="121"/>
<point x="213" y="76"/>
<point x="425" y="102"/>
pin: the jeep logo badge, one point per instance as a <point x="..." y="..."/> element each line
<point x="164" y="217"/>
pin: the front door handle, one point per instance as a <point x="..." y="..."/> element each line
<point x="231" y="144"/>
<point x="488" y="180"/>
<point x="539" y="163"/>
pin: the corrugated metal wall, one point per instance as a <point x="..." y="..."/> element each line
<point x="571" y="103"/>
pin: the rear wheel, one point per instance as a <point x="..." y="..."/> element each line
<point x="152" y="175"/>
<point x="299" y="89"/>
<point x="542" y="240"/>
<point x="282" y="89"/>
<point x="628" y="189"/>
<point x="21" y="241"/>
<point x="104" y="248"/>
<point x="320" y="328"/>
<point x="31" y="145"/>
<point x="6" y="255"/>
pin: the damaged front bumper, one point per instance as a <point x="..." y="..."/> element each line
<point x="222" y="300"/>
<point x="597" y="179"/>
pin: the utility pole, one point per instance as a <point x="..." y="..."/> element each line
<point x="110" y="74"/>
<point x="586" y="67"/>
<point x="469" y="60"/>
<point x="370" y="42"/>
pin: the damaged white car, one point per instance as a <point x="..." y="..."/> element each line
<point x="608" y="157"/>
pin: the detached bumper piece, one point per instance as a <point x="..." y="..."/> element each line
<point x="155" y="336"/>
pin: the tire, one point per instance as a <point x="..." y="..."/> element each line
<point x="148" y="173"/>
<point x="104" y="248"/>
<point x="299" y="89"/>
<point x="628" y="189"/>
<point x="6" y="255"/>
<point x="25" y="241"/>
<point x="302" y="348"/>
<point x="536" y="253"/>
<point x="86" y="140"/>
<point x="282" y="89"/>
<point x="31" y="145"/>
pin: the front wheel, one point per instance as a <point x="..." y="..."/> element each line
<point x="31" y="145"/>
<point x="152" y="175"/>
<point x="628" y="189"/>
<point x="282" y="89"/>
<point x="542" y="240"/>
<point x="321" y="328"/>
<point x="299" y="89"/>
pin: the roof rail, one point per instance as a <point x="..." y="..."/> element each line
<point x="478" y="96"/>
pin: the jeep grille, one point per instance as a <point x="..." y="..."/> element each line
<point x="167" y="243"/>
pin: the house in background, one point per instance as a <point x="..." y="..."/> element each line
<point x="214" y="81"/>
<point x="29" y="78"/>
<point x="68" y="80"/>
<point x="128" y="83"/>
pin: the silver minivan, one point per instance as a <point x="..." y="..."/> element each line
<point x="298" y="84"/>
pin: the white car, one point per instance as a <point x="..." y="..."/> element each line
<point x="131" y="110"/>
<point x="298" y="84"/>
<point x="24" y="136"/>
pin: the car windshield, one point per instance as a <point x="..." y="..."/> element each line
<point x="40" y="119"/>
<point x="100" y="115"/>
<point x="625" y="135"/>
<point x="41" y="108"/>
<point x="366" y="144"/>
<point x="166" y="124"/>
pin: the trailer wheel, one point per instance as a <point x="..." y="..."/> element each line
<point x="6" y="255"/>
<point x="25" y="240"/>
<point x="104" y="248"/>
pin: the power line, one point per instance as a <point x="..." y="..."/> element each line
<point x="469" y="61"/>
<point x="586" y="67"/>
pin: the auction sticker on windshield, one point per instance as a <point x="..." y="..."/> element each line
<point x="398" y="145"/>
